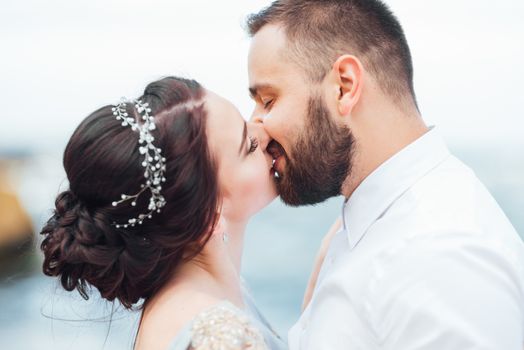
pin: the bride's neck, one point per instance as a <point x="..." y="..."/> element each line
<point x="217" y="267"/>
<point x="211" y="276"/>
<point x="235" y="242"/>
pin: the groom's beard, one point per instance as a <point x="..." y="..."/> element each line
<point x="321" y="159"/>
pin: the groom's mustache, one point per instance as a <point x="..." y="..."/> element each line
<point x="275" y="149"/>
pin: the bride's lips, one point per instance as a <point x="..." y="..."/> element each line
<point x="277" y="152"/>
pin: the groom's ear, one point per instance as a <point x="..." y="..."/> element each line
<point x="347" y="71"/>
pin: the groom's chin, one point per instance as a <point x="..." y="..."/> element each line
<point x="286" y="192"/>
<point x="296" y="202"/>
<point x="298" y="196"/>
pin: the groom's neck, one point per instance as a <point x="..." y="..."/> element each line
<point x="380" y="131"/>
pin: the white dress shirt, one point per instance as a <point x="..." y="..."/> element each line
<point x="426" y="259"/>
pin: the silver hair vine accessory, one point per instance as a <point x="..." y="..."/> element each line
<point x="154" y="164"/>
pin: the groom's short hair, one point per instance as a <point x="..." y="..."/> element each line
<point x="318" y="31"/>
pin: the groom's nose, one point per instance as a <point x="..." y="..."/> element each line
<point x="262" y="135"/>
<point x="266" y="123"/>
<point x="257" y="118"/>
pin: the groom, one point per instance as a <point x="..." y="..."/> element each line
<point x="425" y="258"/>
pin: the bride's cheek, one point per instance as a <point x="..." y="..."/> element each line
<point x="249" y="182"/>
<point x="263" y="180"/>
<point x="255" y="183"/>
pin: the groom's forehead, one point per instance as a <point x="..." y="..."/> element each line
<point x="269" y="65"/>
<point x="267" y="50"/>
<point x="270" y="38"/>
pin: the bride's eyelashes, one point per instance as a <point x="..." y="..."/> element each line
<point x="253" y="144"/>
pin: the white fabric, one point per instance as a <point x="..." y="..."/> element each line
<point x="426" y="259"/>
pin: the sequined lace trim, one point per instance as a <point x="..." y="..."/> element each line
<point x="222" y="327"/>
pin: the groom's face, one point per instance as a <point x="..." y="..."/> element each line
<point x="312" y="152"/>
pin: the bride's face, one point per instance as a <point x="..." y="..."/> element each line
<point x="244" y="166"/>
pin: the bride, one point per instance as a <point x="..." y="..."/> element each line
<point x="160" y="192"/>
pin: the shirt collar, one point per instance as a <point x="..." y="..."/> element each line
<point x="389" y="181"/>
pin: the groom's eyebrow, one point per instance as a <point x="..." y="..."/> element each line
<point x="253" y="92"/>
<point x="255" y="89"/>
<point x="244" y="138"/>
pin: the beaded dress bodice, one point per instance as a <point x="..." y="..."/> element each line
<point x="226" y="327"/>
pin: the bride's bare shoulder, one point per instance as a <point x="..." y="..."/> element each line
<point x="197" y="321"/>
<point x="166" y="315"/>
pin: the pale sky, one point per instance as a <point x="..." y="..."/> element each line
<point x="62" y="59"/>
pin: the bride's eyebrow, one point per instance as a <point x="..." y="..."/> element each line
<point x="244" y="138"/>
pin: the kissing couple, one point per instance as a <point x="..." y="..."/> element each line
<point x="161" y="189"/>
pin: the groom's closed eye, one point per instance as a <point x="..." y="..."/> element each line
<point x="267" y="103"/>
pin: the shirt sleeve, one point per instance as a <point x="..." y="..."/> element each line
<point x="447" y="291"/>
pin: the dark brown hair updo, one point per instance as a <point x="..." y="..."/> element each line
<point x="81" y="243"/>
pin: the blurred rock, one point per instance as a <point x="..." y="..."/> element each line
<point x="16" y="229"/>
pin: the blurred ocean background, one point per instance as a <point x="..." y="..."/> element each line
<point x="62" y="59"/>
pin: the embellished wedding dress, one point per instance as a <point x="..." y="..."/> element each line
<point x="226" y="327"/>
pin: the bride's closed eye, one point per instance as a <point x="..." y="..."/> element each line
<point x="253" y="144"/>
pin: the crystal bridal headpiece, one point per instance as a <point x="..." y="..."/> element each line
<point x="153" y="163"/>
